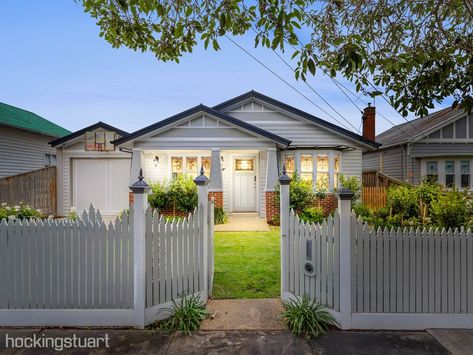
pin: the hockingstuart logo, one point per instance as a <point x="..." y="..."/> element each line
<point x="42" y="341"/>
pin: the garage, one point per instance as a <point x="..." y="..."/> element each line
<point x="102" y="182"/>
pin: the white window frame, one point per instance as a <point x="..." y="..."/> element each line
<point x="441" y="173"/>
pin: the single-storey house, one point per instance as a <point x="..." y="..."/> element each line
<point x="24" y="141"/>
<point x="438" y="146"/>
<point x="242" y="144"/>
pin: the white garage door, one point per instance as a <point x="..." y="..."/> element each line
<point x="102" y="182"/>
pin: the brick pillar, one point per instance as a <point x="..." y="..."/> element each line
<point x="131" y="198"/>
<point x="328" y="204"/>
<point x="272" y="207"/>
<point x="218" y="198"/>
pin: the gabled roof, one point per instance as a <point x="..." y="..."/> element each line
<point x="256" y="95"/>
<point x="210" y="111"/>
<point x="418" y="127"/>
<point x="86" y="129"/>
<point x="18" y="118"/>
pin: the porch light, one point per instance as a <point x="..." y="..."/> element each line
<point x="156" y="161"/>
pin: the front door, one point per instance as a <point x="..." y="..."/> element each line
<point x="244" y="184"/>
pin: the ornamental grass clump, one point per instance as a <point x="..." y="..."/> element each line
<point x="307" y="318"/>
<point x="186" y="316"/>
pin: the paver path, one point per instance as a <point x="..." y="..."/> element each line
<point x="243" y="222"/>
<point x="247" y="314"/>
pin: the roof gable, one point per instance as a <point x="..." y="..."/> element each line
<point x="16" y="117"/>
<point x="82" y="131"/>
<point x="252" y="95"/>
<point x="176" y="120"/>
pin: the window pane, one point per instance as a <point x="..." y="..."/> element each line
<point x="465" y="181"/>
<point x="191" y="164"/>
<point x="53" y="160"/>
<point x="47" y="160"/>
<point x="176" y="164"/>
<point x="306" y="177"/>
<point x="465" y="167"/>
<point x="206" y="163"/>
<point x="337" y="163"/>
<point x="109" y="137"/>
<point x="90" y="141"/>
<point x="449" y="167"/>
<point x="306" y="164"/>
<point x="322" y="163"/>
<point x="432" y="167"/>
<point x="244" y="164"/>
<point x="100" y="141"/>
<point x="289" y="162"/>
<point x="335" y="180"/>
<point x="322" y="181"/>
<point x="450" y="180"/>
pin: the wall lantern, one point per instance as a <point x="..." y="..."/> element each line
<point x="156" y="161"/>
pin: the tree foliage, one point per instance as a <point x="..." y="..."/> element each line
<point x="416" y="52"/>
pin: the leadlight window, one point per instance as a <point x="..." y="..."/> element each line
<point x="290" y="166"/>
<point x="432" y="171"/>
<point x="307" y="168"/>
<point x="100" y="141"/>
<point x="465" y="174"/>
<point x="191" y="166"/>
<point x="449" y="173"/>
<point x="206" y="164"/>
<point x="176" y="166"/>
<point x="322" y="172"/>
<point x="244" y="164"/>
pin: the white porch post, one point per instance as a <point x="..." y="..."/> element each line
<point x="271" y="170"/>
<point x="216" y="171"/>
<point x="202" y="183"/>
<point x="284" y="181"/>
<point x="139" y="189"/>
<point x="136" y="164"/>
<point x="344" y="211"/>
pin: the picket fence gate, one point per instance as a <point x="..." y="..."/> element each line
<point x="378" y="278"/>
<point x="90" y="273"/>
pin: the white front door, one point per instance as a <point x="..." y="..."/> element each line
<point x="244" y="184"/>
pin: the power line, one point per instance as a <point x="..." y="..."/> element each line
<point x="284" y="80"/>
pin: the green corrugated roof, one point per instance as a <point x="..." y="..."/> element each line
<point x="19" y="118"/>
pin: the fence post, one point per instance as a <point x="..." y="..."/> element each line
<point x="344" y="212"/>
<point x="202" y="183"/>
<point x="284" y="182"/>
<point x="139" y="189"/>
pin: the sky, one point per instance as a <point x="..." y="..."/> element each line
<point x="54" y="63"/>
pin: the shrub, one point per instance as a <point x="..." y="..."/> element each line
<point x="301" y="193"/>
<point x="403" y="200"/>
<point x="22" y="211"/>
<point x="361" y="210"/>
<point x="449" y="210"/>
<point x="312" y="215"/>
<point x="159" y="197"/>
<point x="275" y="221"/>
<point x="307" y="318"/>
<point x="220" y="216"/>
<point x="352" y="183"/>
<point x="73" y="216"/>
<point x="183" y="193"/>
<point x="186" y="316"/>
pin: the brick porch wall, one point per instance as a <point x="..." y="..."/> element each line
<point x="218" y="198"/>
<point x="328" y="204"/>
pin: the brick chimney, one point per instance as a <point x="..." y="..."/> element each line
<point x="369" y="122"/>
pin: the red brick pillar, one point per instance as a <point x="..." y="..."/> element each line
<point x="272" y="207"/>
<point x="218" y="198"/>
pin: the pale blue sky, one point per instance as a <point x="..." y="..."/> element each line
<point x="54" y="63"/>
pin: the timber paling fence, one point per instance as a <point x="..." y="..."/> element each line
<point x="36" y="188"/>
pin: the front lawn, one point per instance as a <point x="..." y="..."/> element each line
<point x="247" y="265"/>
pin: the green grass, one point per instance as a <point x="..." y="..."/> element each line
<point x="247" y="265"/>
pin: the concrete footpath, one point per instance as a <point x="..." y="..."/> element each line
<point x="129" y="341"/>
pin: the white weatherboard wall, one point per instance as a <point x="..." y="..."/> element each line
<point x="22" y="151"/>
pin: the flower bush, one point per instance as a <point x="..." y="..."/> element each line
<point x="180" y="194"/>
<point x="22" y="211"/>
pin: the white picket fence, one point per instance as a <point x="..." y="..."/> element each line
<point x="175" y="258"/>
<point x="66" y="264"/>
<point x="377" y="278"/>
<point x="411" y="271"/>
<point x="313" y="260"/>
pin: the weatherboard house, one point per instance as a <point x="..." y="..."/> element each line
<point x="241" y="143"/>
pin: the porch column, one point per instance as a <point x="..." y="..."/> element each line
<point x="216" y="184"/>
<point x="272" y="208"/>
<point x="136" y="165"/>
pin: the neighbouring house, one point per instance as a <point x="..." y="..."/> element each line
<point x="24" y="141"/>
<point x="91" y="170"/>
<point x="438" y="146"/>
<point x="242" y="144"/>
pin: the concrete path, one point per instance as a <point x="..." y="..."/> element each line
<point x="243" y="222"/>
<point x="128" y="341"/>
<point x="457" y="341"/>
<point x="247" y="314"/>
